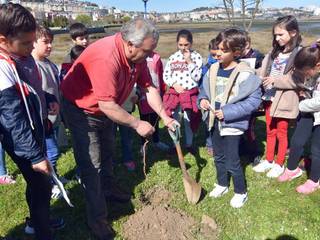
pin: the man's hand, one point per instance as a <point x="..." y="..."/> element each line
<point x="204" y="104"/>
<point x="178" y="88"/>
<point x="144" y="129"/>
<point x="219" y="114"/>
<point x="54" y="108"/>
<point x="42" y="167"/>
<point x="171" y="123"/>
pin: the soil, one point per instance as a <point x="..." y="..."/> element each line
<point x="156" y="220"/>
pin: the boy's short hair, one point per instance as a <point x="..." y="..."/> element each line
<point x="76" y="51"/>
<point x="212" y="44"/>
<point x="77" y="30"/>
<point x="15" y="19"/>
<point x="233" y="39"/>
<point x="42" y="31"/>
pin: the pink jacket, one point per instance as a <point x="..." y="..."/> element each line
<point x="156" y="70"/>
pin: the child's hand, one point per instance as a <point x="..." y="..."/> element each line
<point x="53" y="108"/>
<point x="267" y="81"/>
<point x="219" y="114"/>
<point x="204" y="104"/>
<point x="178" y="88"/>
<point x="187" y="55"/>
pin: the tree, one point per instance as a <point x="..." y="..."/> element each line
<point x="84" y="19"/>
<point x="248" y="8"/>
<point x="60" y="21"/>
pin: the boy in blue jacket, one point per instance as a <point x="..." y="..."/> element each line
<point x="229" y="94"/>
<point x="20" y="114"/>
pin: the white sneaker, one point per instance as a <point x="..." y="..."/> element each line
<point x="275" y="171"/>
<point x="55" y="192"/>
<point x="218" y="191"/>
<point x="238" y="200"/>
<point x="263" y="166"/>
<point x="162" y="146"/>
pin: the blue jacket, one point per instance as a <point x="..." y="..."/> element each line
<point x="206" y="67"/>
<point x="20" y="115"/>
<point x="236" y="109"/>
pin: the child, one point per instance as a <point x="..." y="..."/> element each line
<point x="50" y="85"/>
<point x="75" y="52"/>
<point x="79" y="36"/>
<point x="211" y="60"/>
<point x="231" y="92"/>
<point x="280" y="99"/>
<point x="182" y="74"/>
<point x="126" y="133"/>
<point x="20" y="119"/>
<point x="248" y="141"/>
<point x="146" y="112"/>
<point x="307" y="64"/>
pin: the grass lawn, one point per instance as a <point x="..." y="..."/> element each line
<point x="273" y="210"/>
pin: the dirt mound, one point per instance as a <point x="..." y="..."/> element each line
<point x="156" y="220"/>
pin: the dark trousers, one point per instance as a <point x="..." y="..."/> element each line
<point x="227" y="160"/>
<point x="153" y="119"/>
<point x="301" y="135"/>
<point x="38" y="194"/>
<point x="93" y="145"/>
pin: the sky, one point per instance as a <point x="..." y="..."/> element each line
<point x="176" y="5"/>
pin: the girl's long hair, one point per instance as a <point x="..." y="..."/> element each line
<point x="289" y="23"/>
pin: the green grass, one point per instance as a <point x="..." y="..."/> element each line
<point x="273" y="210"/>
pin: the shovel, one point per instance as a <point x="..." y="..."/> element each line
<point x="191" y="187"/>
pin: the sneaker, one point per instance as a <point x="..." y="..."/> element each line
<point x="55" y="192"/>
<point x="6" y="180"/>
<point x="131" y="166"/>
<point x="289" y="175"/>
<point x="263" y="166"/>
<point x="238" y="200"/>
<point x="162" y="146"/>
<point x="218" y="191"/>
<point x="275" y="171"/>
<point x="308" y="187"/>
<point x="55" y="224"/>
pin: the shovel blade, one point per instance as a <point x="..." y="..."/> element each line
<point x="192" y="189"/>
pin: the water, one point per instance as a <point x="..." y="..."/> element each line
<point x="305" y="27"/>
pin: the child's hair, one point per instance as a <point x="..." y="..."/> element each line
<point x="184" y="33"/>
<point x="77" y="30"/>
<point x="233" y="39"/>
<point x="307" y="57"/>
<point x="76" y="51"/>
<point x="212" y="44"/>
<point x="42" y="31"/>
<point x="289" y="23"/>
<point x="15" y="19"/>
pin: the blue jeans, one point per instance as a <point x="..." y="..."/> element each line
<point x="3" y="169"/>
<point x="126" y="141"/>
<point x="227" y="160"/>
<point x="52" y="149"/>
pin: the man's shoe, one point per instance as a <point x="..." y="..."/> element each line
<point x="218" y="191"/>
<point x="55" y="224"/>
<point x="102" y="231"/>
<point x="116" y="194"/>
<point x="263" y="166"/>
<point x="238" y="200"/>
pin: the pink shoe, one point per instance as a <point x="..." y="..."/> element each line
<point x="289" y="175"/>
<point x="6" y="180"/>
<point x="308" y="187"/>
<point x="131" y="166"/>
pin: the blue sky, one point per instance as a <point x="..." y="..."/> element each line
<point x="175" y="5"/>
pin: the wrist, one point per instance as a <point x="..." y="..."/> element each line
<point x="134" y="123"/>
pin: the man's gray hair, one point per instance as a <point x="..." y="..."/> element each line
<point x="137" y="30"/>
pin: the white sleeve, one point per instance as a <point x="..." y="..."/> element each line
<point x="7" y="78"/>
<point x="195" y="68"/>
<point x="312" y="104"/>
<point x="167" y="74"/>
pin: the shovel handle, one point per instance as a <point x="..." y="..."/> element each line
<point x="181" y="159"/>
